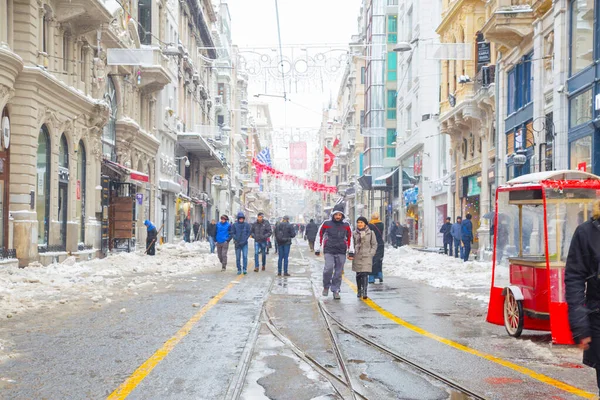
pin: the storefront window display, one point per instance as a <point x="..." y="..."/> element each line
<point x="471" y="202"/>
<point x="581" y="153"/>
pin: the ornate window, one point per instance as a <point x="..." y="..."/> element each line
<point x="42" y="198"/>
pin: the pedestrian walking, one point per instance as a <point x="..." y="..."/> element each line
<point x="223" y="237"/>
<point x="284" y="233"/>
<point x="335" y="237"/>
<point x="365" y="247"/>
<point x="196" y="230"/>
<point x="311" y="234"/>
<point x="274" y="236"/>
<point x="377" y="227"/>
<point x="456" y="232"/>
<point x="445" y="230"/>
<point x="399" y="232"/>
<point x="211" y="233"/>
<point x="467" y="236"/>
<point x="260" y="231"/>
<point x="187" y="229"/>
<point x="240" y="233"/>
<point x="392" y="234"/>
<point x="152" y="235"/>
<point x="582" y="282"/>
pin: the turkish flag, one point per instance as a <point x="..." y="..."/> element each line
<point x="328" y="160"/>
<point x="336" y="142"/>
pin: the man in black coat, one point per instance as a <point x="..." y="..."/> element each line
<point x="582" y="281"/>
<point x="260" y="232"/>
<point x="284" y="233"/>
<point x="211" y="233"/>
<point x="311" y="234"/>
<point x="445" y="230"/>
<point x="377" y="226"/>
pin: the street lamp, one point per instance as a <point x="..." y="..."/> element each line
<point x="187" y="160"/>
<point x="402" y="47"/>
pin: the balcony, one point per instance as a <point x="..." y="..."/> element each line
<point x="156" y="76"/>
<point x="509" y="22"/>
<point x="484" y="78"/>
<point x="82" y="14"/>
<point x="10" y="66"/>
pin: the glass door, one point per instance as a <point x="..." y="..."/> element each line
<point x="62" y="212"/>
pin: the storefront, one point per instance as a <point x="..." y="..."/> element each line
<point x="439" y="197"/>
<point x="470" y="200"/>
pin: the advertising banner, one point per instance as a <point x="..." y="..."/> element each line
<point x="298" y="155"/>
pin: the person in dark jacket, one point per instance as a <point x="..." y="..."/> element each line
<point x="222" y="237"/>
<point x="187" y="229"/>
<point x="211" y="232"/>
<point x="445" y="230"/>
<point x="260" y="232"/>
<point x="151" y="238"/>
<point x="335" y="237"/>
<point x="467" y="236"/>
<point x="311" y="234"/>
<point x="393" y="230"/>
<point x="196" y="230"/>
<point x="240" y="233"/>
<point x="377" y="269"/>
<point x="274" y="237"/>
<point x="456" y="232"/>
<point x="582" y="282"/>
<point x="284" y="233"/>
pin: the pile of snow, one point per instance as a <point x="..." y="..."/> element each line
<point x="471" y="279"/>
<point x="36" y="286"/>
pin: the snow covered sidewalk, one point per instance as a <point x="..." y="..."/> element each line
<point x="471" y="279"/>
<point x="36" y="286"/>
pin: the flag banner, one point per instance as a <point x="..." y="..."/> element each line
<point x="298" y="155"/>
<point x="328" y="160"/>
<point x="265" y="157"/>
<point x="336" y="142"/>
<point x="306" y="183"/>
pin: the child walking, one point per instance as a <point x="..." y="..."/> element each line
<point x="365" y="246"/>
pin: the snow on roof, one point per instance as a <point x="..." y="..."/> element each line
<point x="538" y="177"/>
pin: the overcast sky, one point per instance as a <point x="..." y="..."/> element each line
<point x="302" y="22"/>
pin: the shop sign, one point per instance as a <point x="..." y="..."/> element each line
<point x="473" y="188"/>
<point x="438" y="187"/>
<point x="5" y="132"/>
<point x="167" y="167"/>
<point x="182" y="182"/>
<point x="483" y="53"/>
<point x="78" y="190"/>
<point x="139" y="197"/>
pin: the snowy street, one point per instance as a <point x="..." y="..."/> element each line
<point x="175" y="327"/>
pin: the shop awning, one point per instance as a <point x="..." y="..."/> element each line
<point x="169" y="186"/>
<point x="127" y="172"/>
<point x="386" y="176"/>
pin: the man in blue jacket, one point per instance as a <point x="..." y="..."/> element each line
<point x="240" y="233"/>
<point x="467" y="236"/>
<point x="456" y="232"/>
<point x="222" y="238"/>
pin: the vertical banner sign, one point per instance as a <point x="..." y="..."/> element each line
<point x="105" y="201"/>
<point x="298" y="155"/>
<point x="78" y="190"/>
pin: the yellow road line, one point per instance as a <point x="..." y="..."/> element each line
<point x="515" y="367"/>
<point x="139" y="374"/>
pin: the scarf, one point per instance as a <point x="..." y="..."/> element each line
<point x="375" y="221"/>
<point x="357" y="242"/>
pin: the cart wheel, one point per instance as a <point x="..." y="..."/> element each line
<point x="513" y="314"/>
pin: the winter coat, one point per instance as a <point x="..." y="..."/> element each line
<point x="261" y="231"/>
<point x="240" y="232"/>
<point x="456" y="231"/>
<point x="376" y="226"/>
<point x="152" y="233"/>
<point x="211" y="230"/>
<point x="284" y="233"/>
<point x="584" y="303"/>
<point x="335" y="238"/>
<point x="222" y="229"/>
<point x="311" y="231"/>
<point x="446" y="228"/>
<point x="467" y="231"/>
<point x="366" y="247"/>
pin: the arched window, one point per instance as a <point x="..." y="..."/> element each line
<point x="63" y="188"/>
<point x="80" y="190"/>
<point x="109" y="134"/>
<point x="43" y="185"/>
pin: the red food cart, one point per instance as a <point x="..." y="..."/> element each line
<point x="535" y="218"/>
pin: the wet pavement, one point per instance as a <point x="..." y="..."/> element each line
<point x="266" y="338"/>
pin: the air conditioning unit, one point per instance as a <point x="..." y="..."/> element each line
<point x="218" y="100"/>
<point x="351" y="143"/>
<point x="196" y="78"/>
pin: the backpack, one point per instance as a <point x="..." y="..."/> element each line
<point x="281" y="233"/>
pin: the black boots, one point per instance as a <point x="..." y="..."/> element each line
<point x="362" y="282"/>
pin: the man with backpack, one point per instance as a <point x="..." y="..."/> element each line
<point x="284" y="233"/>
<point x="335" y="237"/>
<point x="240" y="233"/>
<point x="260" y="231"/>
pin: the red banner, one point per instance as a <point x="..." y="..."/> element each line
<point x="308" y="184"/>
<point x="336" y="142"/>
<point x="298" y="155"/>
<point x="328" y="160"/>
